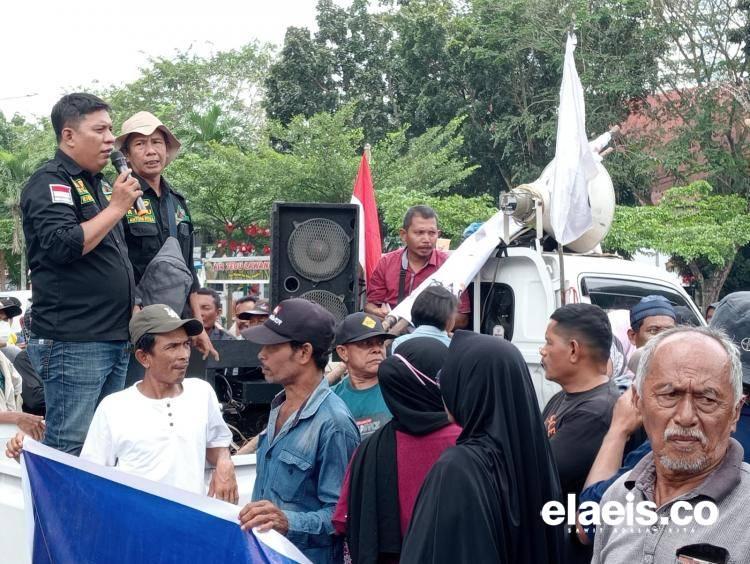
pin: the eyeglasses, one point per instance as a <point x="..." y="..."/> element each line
<point x="418" y="374"/>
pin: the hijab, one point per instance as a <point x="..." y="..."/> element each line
<point x="408" y="384"/>
<point x="482" y="500"/>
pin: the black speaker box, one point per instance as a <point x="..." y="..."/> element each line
<point x="315" y="255"/>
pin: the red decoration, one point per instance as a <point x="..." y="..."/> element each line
<point x="221" y="243"/>
<point x="247" y="231"/>
<point x="267" y="232"/>
<point x="233" y="246"/>
<point x="266" y="250"/>
<point x="229" y="227"/>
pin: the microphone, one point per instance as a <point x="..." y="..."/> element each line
<point x="120" y="164"/>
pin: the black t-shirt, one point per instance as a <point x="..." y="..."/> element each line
<point x="76" y="297"/>
<point x="576" y="424"/>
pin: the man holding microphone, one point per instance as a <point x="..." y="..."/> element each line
<point x="82" y="280"/>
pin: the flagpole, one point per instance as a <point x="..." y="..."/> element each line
<point x="368" y="153"/>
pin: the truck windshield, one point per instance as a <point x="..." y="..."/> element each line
<point x="613" y="293"/>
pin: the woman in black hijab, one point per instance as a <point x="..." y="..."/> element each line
<point x="387" y="470"/>
<point x="481" y="501"/>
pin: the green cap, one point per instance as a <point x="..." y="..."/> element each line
<point x="160" y="318"/>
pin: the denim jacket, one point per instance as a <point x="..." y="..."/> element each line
<point x="301" y="469"/>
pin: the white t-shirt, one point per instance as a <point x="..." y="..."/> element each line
<point x="164" y="440"/>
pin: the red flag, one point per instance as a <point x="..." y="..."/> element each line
<point x="370" y="245"/>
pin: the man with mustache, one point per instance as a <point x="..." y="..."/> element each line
<point x="360" y="343"/>
<point x="83" y="287"/>
<point x="310" y="437"/>
<point x="150" y="146"/>
<point x="689" y="393"/>
<point x="165" y="427"/>
<point x="399" y="272"/>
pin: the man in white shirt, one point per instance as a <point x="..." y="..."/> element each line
<point x="164" y="427"/>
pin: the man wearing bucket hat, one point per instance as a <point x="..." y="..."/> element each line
<point x="149" y="147"/>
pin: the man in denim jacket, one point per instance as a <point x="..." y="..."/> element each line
<point x="304" y="451"/>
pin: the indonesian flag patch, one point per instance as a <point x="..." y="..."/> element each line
<point x="61" y="194"/>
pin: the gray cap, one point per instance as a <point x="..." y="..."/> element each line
<point x="160" y="318"/>
<point x="732" y="315"/>
<point x="261" y="307"/>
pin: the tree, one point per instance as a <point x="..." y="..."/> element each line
<point x="425" y="62"/>
<point x="299" y="81"/>
<point x="698" y="130"/>
<point x="703" y="232"/>
<point x="173" y="88"/>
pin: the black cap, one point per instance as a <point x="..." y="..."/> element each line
<point x="732" y="315"/>
<point x="295" y="320"/>
<point x="11" y="306"/>
<point x="261" y="307"/>
<point x="160" y="318"/>
<point x="358" y="327"/>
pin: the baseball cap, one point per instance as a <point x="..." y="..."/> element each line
<point x="651" y="306"/>
<point x="294" y="320"/>
<point x="732" y="315"/>
<point x="262" y="307"/>
<point x="160" y="318"/>
<point x="11" y="306"/>
<point x="358" y="327"/>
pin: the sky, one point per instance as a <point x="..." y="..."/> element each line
<point x="48" y="47"/>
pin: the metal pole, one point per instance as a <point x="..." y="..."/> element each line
<point x="562" y="273"/>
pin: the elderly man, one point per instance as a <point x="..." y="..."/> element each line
<point x="399" y="272"/>
<point x="360" y="343"/>
<point x="83" y="286"/>
<point x="689" y="393"/>
<point x="149" y="147"/>
<point x="649" y="317"/>
<point x="166" y="426"/>
<point x="303" y="453"/>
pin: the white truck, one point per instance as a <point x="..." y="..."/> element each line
<point x="520" y="291"/>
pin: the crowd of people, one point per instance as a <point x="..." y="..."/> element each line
<point x="432" y="447"/>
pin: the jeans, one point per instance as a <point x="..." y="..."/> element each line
<point x="76" y="376"/>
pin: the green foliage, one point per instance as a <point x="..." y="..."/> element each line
<point x="179" y="88"/>
<point x="698" y="115"/>
<point x="701" y="230"/>
<point x="690" y="222"/>
<point x="455" y="212"/>
<point x="428" y="164"/>
<point x="419" y="64"/>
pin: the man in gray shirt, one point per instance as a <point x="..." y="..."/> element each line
<point x="689" y="392"/>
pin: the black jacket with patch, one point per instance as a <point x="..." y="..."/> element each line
<point x="146" y="234"/>
<point x="76" y="297"/>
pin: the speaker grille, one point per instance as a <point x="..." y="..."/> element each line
<point x="328" y="301"/>
<point x="319" y="249"/>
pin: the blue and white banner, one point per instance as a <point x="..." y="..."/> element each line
<point x="86" y="513"/>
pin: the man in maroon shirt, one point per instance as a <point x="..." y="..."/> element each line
<point x="419" y="259"/>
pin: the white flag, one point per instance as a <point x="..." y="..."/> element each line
<point x="575" y="165"/>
